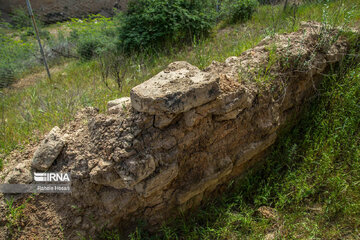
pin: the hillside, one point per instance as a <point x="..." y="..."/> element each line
<point x="305" y="186"/>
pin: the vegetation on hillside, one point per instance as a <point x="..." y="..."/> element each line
<point x="150" y="23"/>
<point x="310" y="180"/>
<point x="29" y="112"/>
<point x="239" y="10"/>
<point x="16" y="56"/>
<point x="145" y="27"/>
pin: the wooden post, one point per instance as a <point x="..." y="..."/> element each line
<point x="38" y="37"/>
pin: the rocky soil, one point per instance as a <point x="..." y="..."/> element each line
<point x="179" y="138"/>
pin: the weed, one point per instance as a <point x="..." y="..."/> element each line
<point x="238" y="10"/>
<point x="113" y="65"/>
<point x="15" y="215"/>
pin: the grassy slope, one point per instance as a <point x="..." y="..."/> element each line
<point x="25" y="114"/>
<point x="311" y="176"/>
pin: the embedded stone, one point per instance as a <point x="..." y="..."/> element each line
<point x="161" y="180"/>
<point x="177" y="89"/>
<point x="134" y="170"/>
<point x="48" y="150"/>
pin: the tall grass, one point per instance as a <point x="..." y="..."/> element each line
<point x="16" y="56"/>
<point x="30" y="112"/>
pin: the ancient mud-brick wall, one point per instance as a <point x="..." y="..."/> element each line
<point x="180" y="136"/>
<point x="58" y="10"/>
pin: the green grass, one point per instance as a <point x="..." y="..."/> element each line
<point x="28" y="113"/>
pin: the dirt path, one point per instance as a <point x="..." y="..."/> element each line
<point x="31" y="79"/>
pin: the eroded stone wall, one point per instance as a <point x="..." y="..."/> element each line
<point x="181" y="135"/>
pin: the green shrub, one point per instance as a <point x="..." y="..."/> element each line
<point x="92" y="36"/>
<point x="7" y="75"/>
<point x="88" y="47"/>
<point x="238" y="10"/>
<point x="16" y="57"/>
<point x="20" y="18"/>
<point x="153" y="22"/>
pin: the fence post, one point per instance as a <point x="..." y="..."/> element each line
<point x="38" y="37"/>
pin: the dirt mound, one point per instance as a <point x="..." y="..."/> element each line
<point x="181" y="137"/>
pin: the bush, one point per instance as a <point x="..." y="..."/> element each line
<point x="7" y="75"/>
<point x="20" y="18"/>
<point x="238" y="10"/>
<point x="153" y="22"/>
<point x="16" y="57"/>
<point x="92" y="36"/>
<point x="88" y="47"/>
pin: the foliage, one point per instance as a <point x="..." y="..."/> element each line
<point x="238" y="10"/>
<point x="3" y="24"/>
<point x="18" y="49"/>
<point x="15" y="57"/>
<point x="153" y="22"/>
<point x="20" y="18"/>
<point x="93" y="35"/>
<point x="15" y="215"/>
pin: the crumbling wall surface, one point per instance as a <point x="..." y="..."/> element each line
<point x="60" y="10"/>
<point x="181" y="135"/>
